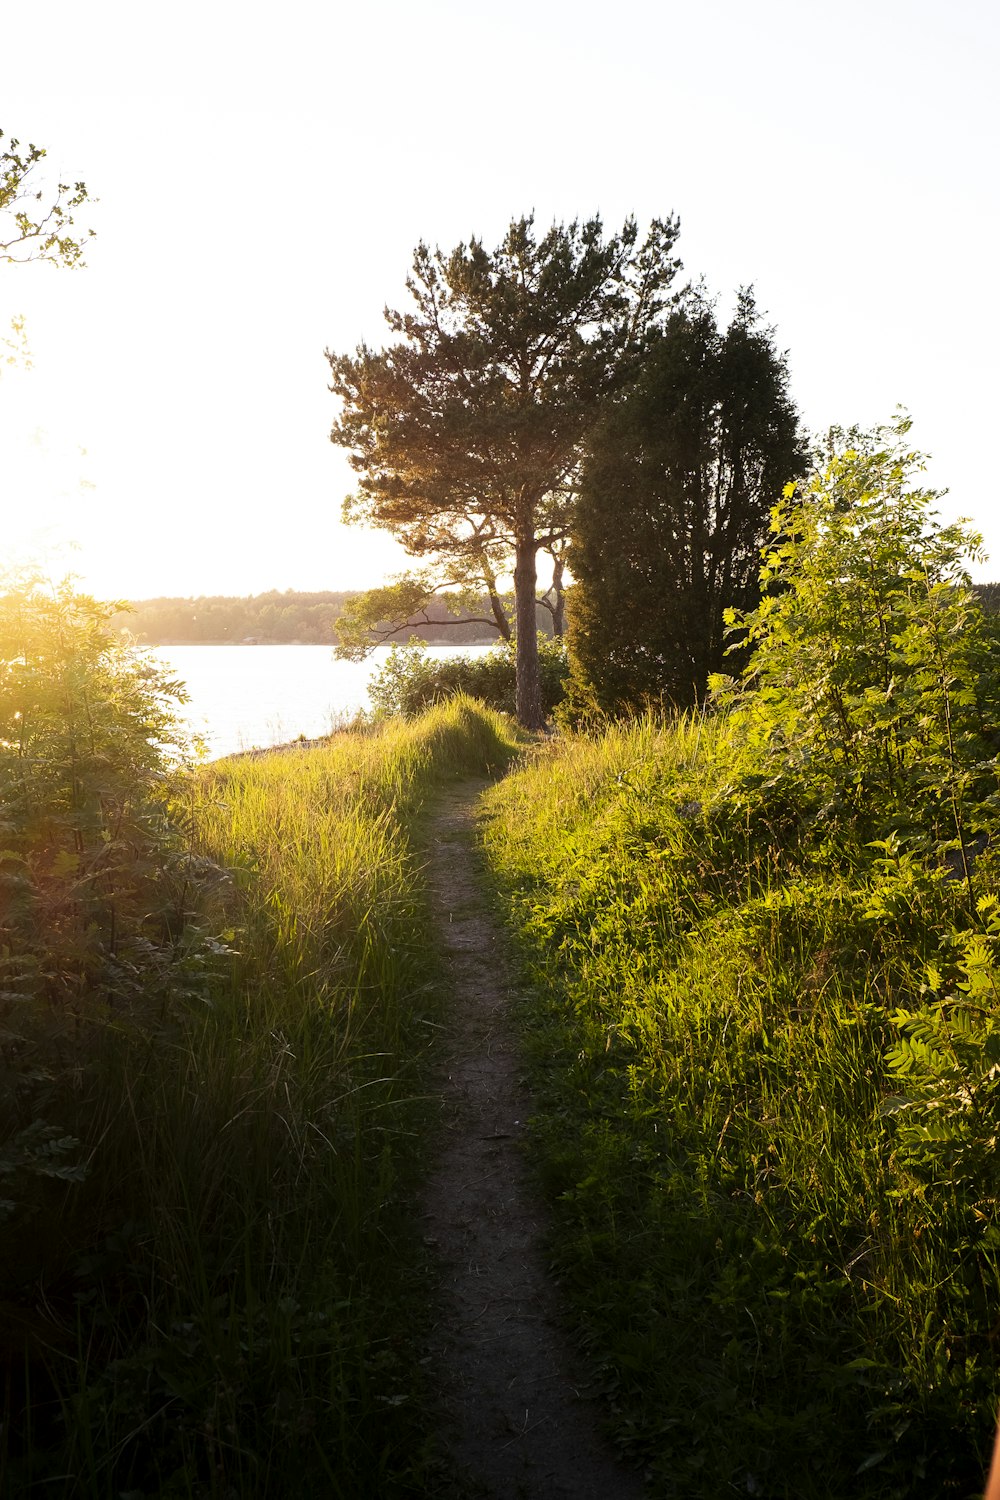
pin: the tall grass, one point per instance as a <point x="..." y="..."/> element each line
<point x="224" y="1306"/>
<point x="780" y="1304"/>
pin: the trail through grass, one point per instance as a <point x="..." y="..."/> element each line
<point x="768" y="1150"/>
<point x="514" y="1413"/>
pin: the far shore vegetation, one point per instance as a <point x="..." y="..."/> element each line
<point x="282" y="618"/>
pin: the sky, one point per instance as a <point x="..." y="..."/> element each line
<point x="264" y="174"/>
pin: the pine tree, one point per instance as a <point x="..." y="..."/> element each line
<point x="673" y="510"/>
<point x="467" y="433"/>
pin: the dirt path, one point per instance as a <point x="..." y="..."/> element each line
<point x="518" y="1429"/>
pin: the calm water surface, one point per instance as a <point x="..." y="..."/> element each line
<point x="247" y="696"/>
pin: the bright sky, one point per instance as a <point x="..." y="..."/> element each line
<point x="264" y="174"/>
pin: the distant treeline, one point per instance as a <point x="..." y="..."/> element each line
<point x="308" y="619"/>
<point x="272" y="618"/>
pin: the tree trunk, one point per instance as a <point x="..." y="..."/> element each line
<point x="559" y="597"/>
<point x="499" y="613"/>
<point x="529" y="688"/>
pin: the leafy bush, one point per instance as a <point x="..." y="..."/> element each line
<point x="88" y="734"/>
<point x="96" y="882"/>
<point x="871" y="695"/>
<point x="947" y="1064"/>
<point x="411" y="680"/>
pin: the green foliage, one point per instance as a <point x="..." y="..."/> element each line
<point x="96" y="883"/>
<point x="32" y="228"/>
<point x="441" y="612"/>
<point x="414" y="600"/>
<point x="87" y="731"/>
<point x="947" y="1062"/>
<point x="38" y="1150"/>
<point x="215" y="999"/>
<point x="673" y="509"/>
<point x="761" y="944"/>
<point x="870" y="692"/>
<point x="410" y="680"/>
<point x="772" y="1304"/>
<point x="228" y="1297"/>
<point x="466" y="433"/>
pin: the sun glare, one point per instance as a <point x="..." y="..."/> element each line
<point x="48" y="484"/>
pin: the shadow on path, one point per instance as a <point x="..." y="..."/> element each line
<point x="517" y="1426"/>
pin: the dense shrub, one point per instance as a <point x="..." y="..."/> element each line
<point x="872" y="693"/>
<point x="96" y="881"/>
<point x="412" y="680"/>
<point x="89" y="733"/>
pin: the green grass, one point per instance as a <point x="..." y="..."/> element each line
<point x="780" y="1304"/>
<point x="782" y="1295"/>
<point x="225" y="1306"/>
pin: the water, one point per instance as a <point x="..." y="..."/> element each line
<point x="253" y="696"/>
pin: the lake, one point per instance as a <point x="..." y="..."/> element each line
<point x="247" y="696"/>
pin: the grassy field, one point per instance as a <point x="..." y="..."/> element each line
<point x="776" y="1215"/>
<point x="223" y="1305"/>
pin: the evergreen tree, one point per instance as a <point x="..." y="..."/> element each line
<point x="467" y="433"/>
<point x="673" y="510"/>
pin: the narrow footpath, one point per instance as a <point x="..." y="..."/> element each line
<point x="518" y="1428"/>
